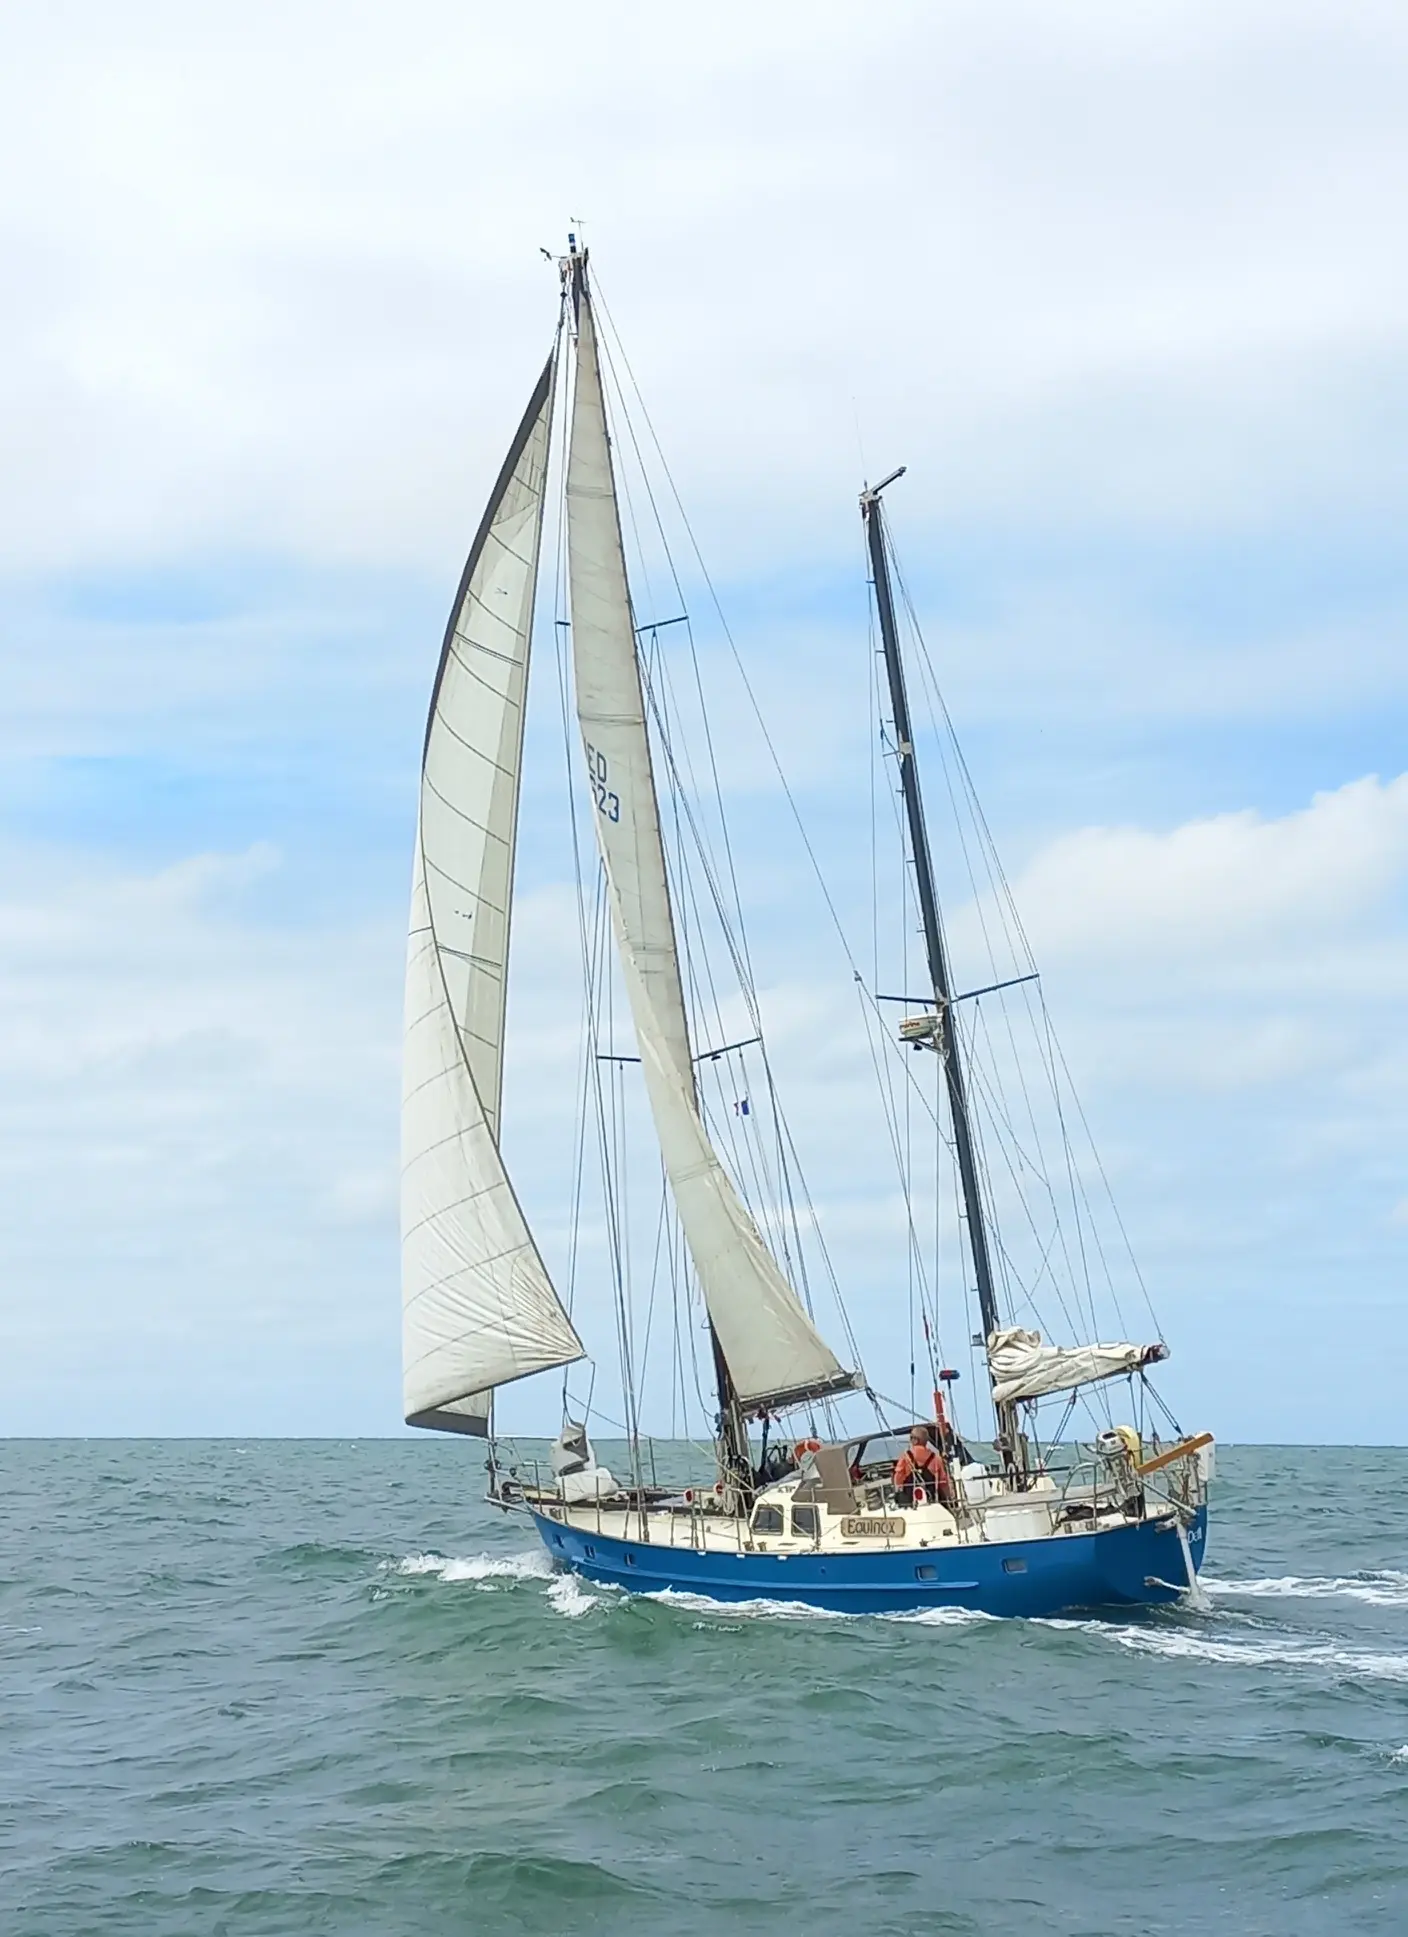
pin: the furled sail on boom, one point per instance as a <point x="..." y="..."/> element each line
<point x="478" y="1306"/>
<point x="1023" y="1367"/>
<point x="774" y="1353"/>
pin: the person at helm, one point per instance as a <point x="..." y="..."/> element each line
<point x="920" y="1472"/>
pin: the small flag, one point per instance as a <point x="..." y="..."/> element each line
<point x="740" y="1108"/>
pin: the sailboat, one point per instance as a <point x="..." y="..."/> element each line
<point x="897" y="1515"/>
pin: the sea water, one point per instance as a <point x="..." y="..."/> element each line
<point x="273" y="1688"/>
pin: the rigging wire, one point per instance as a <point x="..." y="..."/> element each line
<point x="767" y="1180"/>
<point x="1052" y="1059"/>
<point x="774" y="1200"/>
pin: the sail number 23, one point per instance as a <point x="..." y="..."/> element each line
<point x="607" y="802"/>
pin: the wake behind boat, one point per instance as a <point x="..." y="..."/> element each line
<point x="795" y="1504"/>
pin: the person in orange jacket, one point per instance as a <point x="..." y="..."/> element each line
<point x="922" y="1467"/>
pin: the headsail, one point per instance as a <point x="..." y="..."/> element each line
<point x="773" y="1351"/>
<point x="478" y="1306"/>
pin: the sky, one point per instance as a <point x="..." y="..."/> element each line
<point x="1124" y="289"/>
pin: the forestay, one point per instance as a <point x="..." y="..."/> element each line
<point x="478" y="1306"/>
<point x="772" y="1349"/>
<point x="1025" y="1368"/>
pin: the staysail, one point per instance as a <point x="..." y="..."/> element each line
<point x="773" y="1351"/>
<point x="478" y="1306"/>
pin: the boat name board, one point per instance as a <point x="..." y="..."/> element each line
<point x="872" y="1529"/>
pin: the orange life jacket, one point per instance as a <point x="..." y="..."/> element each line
<point x="921" y="1462"/>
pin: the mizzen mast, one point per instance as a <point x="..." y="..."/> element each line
<point x="947" y="1043"/>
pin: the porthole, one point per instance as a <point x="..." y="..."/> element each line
<point x="926" y="1573"/>
<point x="1014" y="1567"/>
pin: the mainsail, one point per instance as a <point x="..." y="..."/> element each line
<point x="478" y="1306"/>
<point x="774" y="1353"/>
<point x="1023" y="1367"/>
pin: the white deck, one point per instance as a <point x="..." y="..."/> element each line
<point x="1040" y="1513"/>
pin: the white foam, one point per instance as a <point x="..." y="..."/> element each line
<point x="566" y="1594"/>
<point x="943" y="1617"/>
<point x="570" y="1597"/>
<point x="479" y="1568"/>
<point x="1386" y="1588"/>
<point x="1400" y="1755"/>
<point x="764" y="1610"/>
<point x="769" y="1610"/>
<point x="1196" y="1645"/>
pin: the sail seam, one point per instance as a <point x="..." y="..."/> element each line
<point x="463" y="886"/>
<point x="480" y="678"/>
<point x="444" y="726"/>
<point x="468" y="820"/>
<point x="476" y="604"/>
<point x="462" y="1270"/>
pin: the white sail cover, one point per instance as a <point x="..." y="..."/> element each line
<point x="773" y="1351"/>
<point x="1025" y="1368"/>
<point x="478" y="1306"/>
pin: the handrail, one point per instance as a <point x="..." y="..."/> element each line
<point x="1182" y="1450"/>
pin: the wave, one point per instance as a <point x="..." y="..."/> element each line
<point x="763" y="1609"/>
<point x="757" y="1610"/>
<point x="570" y="1596"/>
<point x="1388" y="1587"/>
<point x="1190" y="1645"/>
<point x="942" y="1617"/>
<point x="566" y="1594"/>
<point x="535" y="1566"/>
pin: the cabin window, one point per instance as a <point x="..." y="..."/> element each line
<point x="1014" y="1567"/>
<point x="804" y="1522"/>
<point x="767" y="1519"/>
<point x="926" y="1573"/>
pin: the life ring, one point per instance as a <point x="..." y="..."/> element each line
<point x="805" y="1446"/>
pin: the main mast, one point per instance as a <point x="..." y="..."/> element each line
<point x="949" y="1048"/>
<point x="734" y="1454"/>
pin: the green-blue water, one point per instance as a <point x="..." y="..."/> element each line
<point x="312" y="1687"/>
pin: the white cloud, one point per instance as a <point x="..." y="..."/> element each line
<point x="183" y="1083"/>
<point x="276" y="276"/>
<point x="198" y="1136"/>
<point x="1214" y="889"/>
<point x="1229" y="994"/>
<point x="1122" y="286"/>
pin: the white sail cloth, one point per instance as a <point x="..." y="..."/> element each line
<point x="478" y="1306"/>
<point x="1025" y="1368"/>
<point x="773" y="1351"/>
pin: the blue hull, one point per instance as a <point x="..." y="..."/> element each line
<point x="1135" y="1566"/>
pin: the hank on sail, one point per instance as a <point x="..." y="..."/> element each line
<point x="480" y="1308"/>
